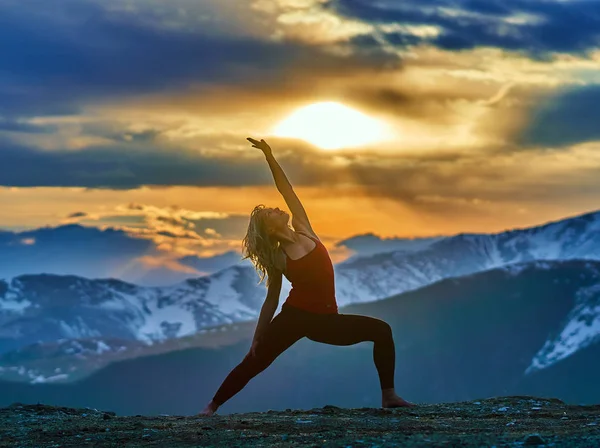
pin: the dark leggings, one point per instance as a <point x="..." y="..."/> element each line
<point x="292" y="324"/>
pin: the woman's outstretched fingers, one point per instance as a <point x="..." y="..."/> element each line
<point x="262" y="144"/>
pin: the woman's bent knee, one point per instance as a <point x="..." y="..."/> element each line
<point x="384" y="330"/>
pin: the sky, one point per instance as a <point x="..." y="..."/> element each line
<point x="392" y="117"/>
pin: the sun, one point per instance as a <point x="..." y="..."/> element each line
<point x="331" y="125"/>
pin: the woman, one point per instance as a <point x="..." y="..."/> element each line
<point x="310" y="309"/>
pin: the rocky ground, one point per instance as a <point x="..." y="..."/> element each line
<point x="500" y="422"/>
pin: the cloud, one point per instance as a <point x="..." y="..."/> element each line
<point x="212" y="232"/>
<point x="532" y="27"/>
<point x="189" y="230"/>
<point x="174" y="230"/>
<point x="428" y="181"/>
<point x="9" y="125"/>
<point x="569" y="117"/>
<point x="123" y="167"/>
<point x="101" y="253"/>
<point x="121" y="95"/>
<point x="57" y="63"/>
<point x="77" y="215"/>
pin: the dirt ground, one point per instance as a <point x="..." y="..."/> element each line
<point x="500" y="422"/>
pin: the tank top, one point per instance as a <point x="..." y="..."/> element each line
<point x="311" y="276"/>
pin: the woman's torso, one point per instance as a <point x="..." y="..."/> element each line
<point x="312" y="279"/>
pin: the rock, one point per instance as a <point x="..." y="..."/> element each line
<point x="534" y="439"/>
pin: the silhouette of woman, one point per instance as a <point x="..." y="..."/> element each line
<point x="310" y="310"/>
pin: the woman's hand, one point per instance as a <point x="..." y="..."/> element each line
<point x="262" y="145"/>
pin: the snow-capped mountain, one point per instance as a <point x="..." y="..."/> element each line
<point x="458" y="339"/>
<point x="42" y="308"/>
<point x="36" y="308"/>
<point x="372" y="278"/>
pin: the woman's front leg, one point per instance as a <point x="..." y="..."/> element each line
<point x="350" y="329"/>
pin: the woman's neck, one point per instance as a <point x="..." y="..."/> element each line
<point x="287" y="237"/>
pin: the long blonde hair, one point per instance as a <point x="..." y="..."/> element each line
<point x="259" y="247"/>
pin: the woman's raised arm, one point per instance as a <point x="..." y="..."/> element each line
<point x="299" y="216"/>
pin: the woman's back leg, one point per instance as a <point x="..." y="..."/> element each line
<point x="281" y="333"/>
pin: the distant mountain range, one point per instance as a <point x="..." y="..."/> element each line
<point x="526" y="328"/>
<point x="91" y="252"/>
<point x="382" y="275"/>
<point x="46" y="308"/>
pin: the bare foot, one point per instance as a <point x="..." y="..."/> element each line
<point x="209" y="410"/>
<point x="396" y="402"/>
<point x="389" y="399"/>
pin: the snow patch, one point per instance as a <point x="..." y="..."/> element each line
<point x="151" y="330"/>
<point x="49" y="379"/>
<point x="13" y="303"/>
<point x="581" y="330"/>
<point x="226" y="298"/>
<point x="101" y="347"/>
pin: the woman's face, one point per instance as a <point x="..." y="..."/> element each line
<point x="275" y="218"/>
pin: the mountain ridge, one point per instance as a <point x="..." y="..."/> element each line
<point x="458" y="339"/>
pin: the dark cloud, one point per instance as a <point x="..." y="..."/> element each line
<point x="94" y="253"/>
<point x="429" y="182"/>
<point x="232" y="227"/>
<point x="70" y="249"/>
<point x="116" y="133"/>
<point x="124" y="167"/>
<point x="9" y="125"/>
<point x="572" y="26"/>
<point x="462" y="183"/>
<point x="425" y="181"/>
<point x="443" y="184"/>
<point x="131" y="165"/>
<point x="573" y="116"/>
<point x="53" y="63"/>
<point x="487" y="7"/>
<point x="434" y="107"/>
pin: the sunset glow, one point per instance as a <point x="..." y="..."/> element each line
<point x="465" y="118"/>
<point x="330" y="125"/>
